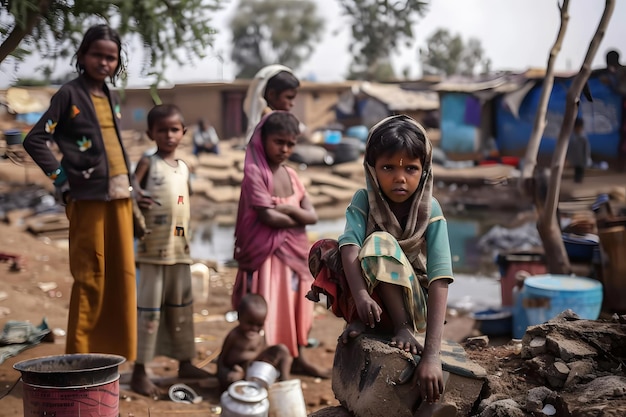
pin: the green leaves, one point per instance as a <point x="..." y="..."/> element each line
<point x="273" y="32"/>
<point x="177" y="30"/>
<point x="378" y="27"/>
<point x="447" y="54"/>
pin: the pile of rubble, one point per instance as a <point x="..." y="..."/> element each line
<point x="566" y="367"/>
<point x="575" y="368"/>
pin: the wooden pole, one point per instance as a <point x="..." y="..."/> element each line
<point x="548" y="227"/>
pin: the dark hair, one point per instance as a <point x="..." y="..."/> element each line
<point x="612" y="58"/>
<point x="280" y="82"/>
<point x="162" y="111"/>
<point x="579" y="122"/>
<point x="250" y="302"/>
<point x="280" y="122"/>
<point x="97" y="33"/>
<point x="397" y="134"/>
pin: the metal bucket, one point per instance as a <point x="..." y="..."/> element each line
<point x="71" y="385"/>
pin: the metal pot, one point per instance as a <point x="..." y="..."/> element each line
<point x="263" y="373"/>
<point x="244" y="399"/>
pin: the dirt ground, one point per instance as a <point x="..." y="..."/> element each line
<point x="45" y="262"/>
<point x="26" y="296"/>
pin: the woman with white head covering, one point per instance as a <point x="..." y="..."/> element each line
<point x="274" y="87"/>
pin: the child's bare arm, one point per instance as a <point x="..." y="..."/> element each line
<point x="227" y="357"/>
<point x="368" y="310"/>
<point x="275" y="218"/>
<point x="139" y="176"/>
<point x="303" y="215"/>
<point x="429" y="371"/>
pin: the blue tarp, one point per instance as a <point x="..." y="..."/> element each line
<point x="459" y="132"/>
<point x="602" y="119"/>
<point x="29" y="118"/>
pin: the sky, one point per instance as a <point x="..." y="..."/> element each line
<point x="515" y="34"/>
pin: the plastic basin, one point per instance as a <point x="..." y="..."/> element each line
<point x="547" y="296"/>
<point x="494" y="322"/>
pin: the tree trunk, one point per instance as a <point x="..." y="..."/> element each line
<point x="530" y="159"/>
<point x="18" y="33"/>
<point x="548" y="227"/>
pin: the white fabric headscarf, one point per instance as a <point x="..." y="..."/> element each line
<point x="255" y="104"/>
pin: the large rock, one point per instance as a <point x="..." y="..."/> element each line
<point x="371" y="378"/>
<point x="367" y="379"/>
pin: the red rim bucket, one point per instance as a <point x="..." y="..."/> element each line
<point x="71" y="385"/>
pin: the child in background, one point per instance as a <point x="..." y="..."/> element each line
<point x="205" y="138"/>
<point x="271" y="244"/>
<point x="274" y="88"/>
<point x="392" y="264"/>
<point x="93" y="181"/>
<point x="165" y="300"/>
<point x="578" y="153"/>
<point x="246" y="343"/>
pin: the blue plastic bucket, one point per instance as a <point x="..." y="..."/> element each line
<point x="550" y="295"/>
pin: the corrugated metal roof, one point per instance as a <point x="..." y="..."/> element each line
<point x="501" y="84"/>
<point x="496" y="84"/>
<point x="399" y="99"/>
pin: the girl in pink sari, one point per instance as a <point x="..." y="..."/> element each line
<point x="271" y="246"/>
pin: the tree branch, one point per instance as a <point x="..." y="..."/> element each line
<point x="18" y="33"/>
<point x="558" y="261"/>
<point x="530" y="159"/>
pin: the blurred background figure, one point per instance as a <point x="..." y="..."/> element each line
<point x="205" y="138"/>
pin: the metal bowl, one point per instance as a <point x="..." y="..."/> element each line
<point x="263" y="373"/>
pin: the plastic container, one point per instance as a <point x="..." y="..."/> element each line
<point x="580" y="248"/>
<point x="71" y="385"/>
<point x="286" y="399"/>
<point x="332" y="137"/>
<point x="359" y="131"/>
<point x="549" y="295"/>
<point x="494" y="322"/>
<point x="520" y="322"/>
<point x="244" y="399"/>
<point x="512" y="263"/>
<point x="13" y="137"/>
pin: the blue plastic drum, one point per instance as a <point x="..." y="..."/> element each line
<point x="547" y="296"/>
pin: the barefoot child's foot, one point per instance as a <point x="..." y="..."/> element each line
<point x="141" y="384"/>
<point x="352" y="330"/>
<point x="405" y="340"/>
<point x="187" y="370"/>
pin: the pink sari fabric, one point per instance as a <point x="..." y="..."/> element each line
<point x="272" y="262"/>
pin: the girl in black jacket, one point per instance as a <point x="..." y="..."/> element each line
<point x="93" y="180"/>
